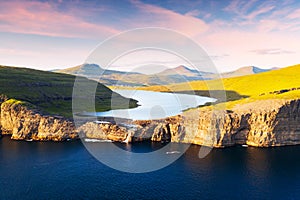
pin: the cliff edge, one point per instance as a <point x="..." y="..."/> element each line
<point x="262" y="123"/>
<point x="23" y="122"/>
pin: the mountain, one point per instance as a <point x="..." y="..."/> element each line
<point x="178" y="74"/>
<point x="182" y="70"/>
<point x="91" y="70"/>
<point x="243" y="71"/>
<point x="187" y="72"/>
<point x="108" y="77"/>
<point x="87" y="70"/>
<point x="113" y="77"/>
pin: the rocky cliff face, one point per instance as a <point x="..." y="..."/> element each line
<point x="263" y="124"/>
<point x="103" y="131"/>
<point x="25" y="123"/>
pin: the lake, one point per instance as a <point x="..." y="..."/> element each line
<point x="155" y="105"/>
<point x="49" y="170"/>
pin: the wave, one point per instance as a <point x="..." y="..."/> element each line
<point x="95" y="140"/>
<point x="102" y="122"/>
<point x="172" y="152"/>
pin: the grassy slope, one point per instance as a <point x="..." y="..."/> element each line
<point x="51" y="92"/>
<point x="257" y="86"/>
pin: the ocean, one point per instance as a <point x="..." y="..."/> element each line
<point x="66" y="170"/>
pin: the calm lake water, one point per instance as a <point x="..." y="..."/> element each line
<point x="48" y="170"/>
<point x="155" y="105"/>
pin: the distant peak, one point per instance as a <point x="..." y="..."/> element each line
<point x="182" y="70"/>
<point x="87" y="65"/>
<point x="181" y="67"/>
<point x="247" y="67"/>
<point x="252" y="69"/>
<point x="247" y="70"/>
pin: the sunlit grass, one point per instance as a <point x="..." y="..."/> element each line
<point x="256" y="86"/>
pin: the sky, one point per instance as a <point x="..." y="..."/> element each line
<point x="58" y="34"/>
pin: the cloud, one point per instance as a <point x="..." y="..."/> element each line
<point x="44" y="18"/>
<point x="193" y="13"/>
<point x="275" y="51"/>
<point x="218" y="57"/>
<point x="265" y="17"/>
<point x="230" y="34"/>
<point x="18" y="52"/>
<point x="243" y="9"/>
<point x="76" y="19"/>
<point x="259" y="11"/>
<point x="294" y="15"/>
<point x="239" y="6"/>
<point x="152" y="15"/>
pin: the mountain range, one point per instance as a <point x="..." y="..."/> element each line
<point x="169" y="76"/>
<point x="243" y="71"/>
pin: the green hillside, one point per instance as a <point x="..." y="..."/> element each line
<point x="51" y="92"/>
<point x="276" y="84"/>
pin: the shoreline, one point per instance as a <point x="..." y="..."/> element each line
<point x="142" y="142"/>
<point x="264" y="123"/>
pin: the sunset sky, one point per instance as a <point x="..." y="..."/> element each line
<point x="58" y="34"/>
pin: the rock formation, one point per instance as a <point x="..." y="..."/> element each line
<point x="261" y="123"/>
<point x="24" y="123"/>
<point x="103" y="131"/>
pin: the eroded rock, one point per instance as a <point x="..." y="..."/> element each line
<point x="262" y="123"/>
<point x="25" y="123"/>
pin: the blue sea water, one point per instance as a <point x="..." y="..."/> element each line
<point x="66" y="170"/>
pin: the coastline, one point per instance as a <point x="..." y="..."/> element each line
<point x="264" y="123"/>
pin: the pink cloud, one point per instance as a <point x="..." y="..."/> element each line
<point x="239" y="45"/>
<point x="269" y="25"/>
<point x="242" y="8"/>
<point x="43" y="18"/>
<point x="239" y="7"/>
<point x="193" y="13"/>
<point x="155" y="16"/>
<point x="274" y="51"/>
<point x="294" y="15"/>
<point x="259" y="11"/>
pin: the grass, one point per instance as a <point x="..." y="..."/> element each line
<point x="18" y="102"/>
<point x="51" y="92"/>
<point x="277" y="84"/>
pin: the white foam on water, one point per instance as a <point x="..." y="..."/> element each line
<point x="172" y="152"/>
<point x="95" y="140"/>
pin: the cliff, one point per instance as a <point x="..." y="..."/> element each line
<point x="23" y="122"/>
<point x="262" y="123"/>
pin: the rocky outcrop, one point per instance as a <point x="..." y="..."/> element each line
<point x="262" y="123"/>
<point x="103" y="131"/>
<point x="25" y="123"/>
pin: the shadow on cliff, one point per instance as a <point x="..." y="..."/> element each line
<point x="286" y="124"/>
<point x="221" y="95"/>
